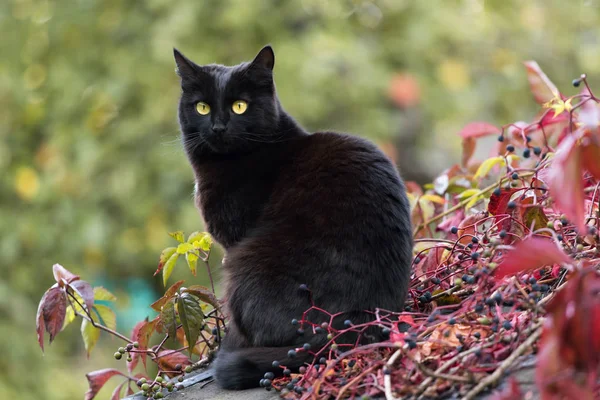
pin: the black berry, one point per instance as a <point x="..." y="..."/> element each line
<point x="454" y="230"/>
<point x="510" y="148"/>
<point x="537" y="151"/>
<point x="576" y="82"/>
<point x="269" y="375"/>
<point x="526" y="153"/>
<point x="292" y="353"/>
<point x="497" y="192"/>
<point x="511" y="204"/>
<point x="501" y="138"/>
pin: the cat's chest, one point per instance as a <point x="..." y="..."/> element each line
<point x="230" y="206"/>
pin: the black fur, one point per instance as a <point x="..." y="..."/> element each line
<point x="328" y="210"/>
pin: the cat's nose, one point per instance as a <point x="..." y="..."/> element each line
<point x="219" y="128"/>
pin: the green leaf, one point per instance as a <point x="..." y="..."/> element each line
<point x="204" y="294"/>
<point x="101" y="293"/>
<point x="534" y="217"/>
<point x="107" y="316"/>
<point x="177" y="236"/>
<point x="157" y="305"/>
<point x="192" y="261"/>
<point x="184" y="248"/>
<point x="164" y="257"/>
<point x="168" y="269"/>
<point x="90" y="334"/>
<point x="168" y="322"/>
<point x="191" y="316"/>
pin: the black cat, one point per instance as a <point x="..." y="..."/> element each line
<point x="325" y="210"/>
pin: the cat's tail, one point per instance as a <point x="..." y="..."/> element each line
<point x="243" y="368"/>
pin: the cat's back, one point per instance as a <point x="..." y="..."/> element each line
<point x="336" y="180"/>
<point x="344" y="164"/>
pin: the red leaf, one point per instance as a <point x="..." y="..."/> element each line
<point x="116" y="395"/>
<point x="479" y="129"/>
<point x="565" y="181"/>
<point x="499" y="203"/>
<point x="542" y="88"/>
<point x="432" y="261"/>
<point x="589" y="115"/>
<point x="467" y="228"/>
<point x="51" y="314"/>
<point x="143" y="336"/>
<point x="413" y="187"/>
<point x="135" y="337"/>
<point x="530" y="254"/>
<point x="468" y="148"/>
<point x="86" y="292"/>
<point x="454" y="220"/>
<point x="157" y="305"/>
<point x="168" y="359"/>
<point x="590" y="156"/>
<point x="62" y="275"/>
<point x="97" y="379"/>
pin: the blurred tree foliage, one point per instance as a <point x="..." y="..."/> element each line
<point x="93" y="175"/>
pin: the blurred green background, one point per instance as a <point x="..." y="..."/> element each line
<point x="93" y="175"/>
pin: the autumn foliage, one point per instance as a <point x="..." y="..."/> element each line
<point x="505" y="265"/>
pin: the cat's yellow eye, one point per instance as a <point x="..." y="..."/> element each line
<point x="239" y="106"/>
<point x="202" y="108"/>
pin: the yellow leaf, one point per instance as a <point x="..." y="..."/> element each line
<point x="101" y="293"/>
<point x="90" y="335"/>
<point x="108" y="317"/>
<point x="468" y="193"/>
<point x="69" y="317"/>
<point x="177" y="236"/>
<point x="206" y="242"/>
<point x="558" y="105"/>
<point x="487" y="165"/>
<point x="168" y="268"/>
<point x="184" y="248"/>
<point x="192" y="260"/>
<point x="412" y="200"/>
<point x="434" y="198"/>
<point x="27" y="183"/>
<point x="474" y="200"/>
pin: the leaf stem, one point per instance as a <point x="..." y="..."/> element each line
<point x="88" y="317"/>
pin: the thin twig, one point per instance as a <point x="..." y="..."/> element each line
<point x="497" y="374"/>
<point x="89" y="318"/>
<point x="387" y="379"/>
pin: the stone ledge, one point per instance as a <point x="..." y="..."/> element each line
<point x="198" y="387"/>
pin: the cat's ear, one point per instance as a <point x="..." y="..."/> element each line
<point x="265" y="58"/>
<point x="185" y="67"/>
